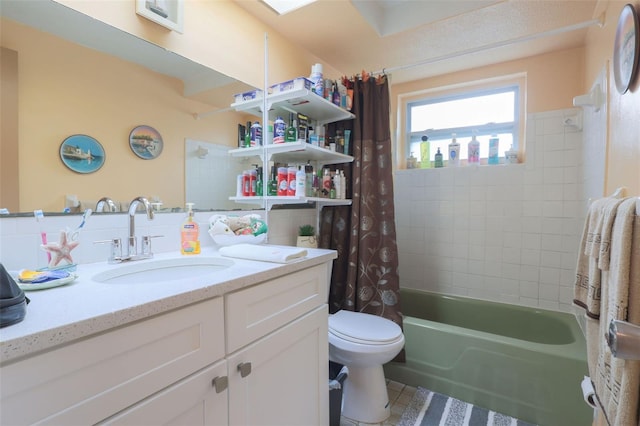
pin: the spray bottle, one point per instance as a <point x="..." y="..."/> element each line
<point x="189" y="231"/>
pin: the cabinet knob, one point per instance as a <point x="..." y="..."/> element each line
<point x="220" y="383"/>
<point x="244" y="368"/>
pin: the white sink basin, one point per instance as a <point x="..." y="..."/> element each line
<point x="160" y="270"/>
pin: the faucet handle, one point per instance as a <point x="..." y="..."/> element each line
<point x="146" y="244"/>
<point x="116" y="249"/>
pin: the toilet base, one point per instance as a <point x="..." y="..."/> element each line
<point x="365" y="397"/>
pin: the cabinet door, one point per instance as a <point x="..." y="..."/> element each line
<point x="92" y="379"/>
<point x="288" y="379"/>
<point x="200" y="399"/>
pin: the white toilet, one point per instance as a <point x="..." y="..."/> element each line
<point x="363" y="343"/>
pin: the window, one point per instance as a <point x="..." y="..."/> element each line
<point x="485" y="113"/>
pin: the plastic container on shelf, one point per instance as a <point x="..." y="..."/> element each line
<point x="248" y="96"/>
<point x="290" y="85"/>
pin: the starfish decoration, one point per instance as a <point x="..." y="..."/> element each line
<point x="60" y="251"/>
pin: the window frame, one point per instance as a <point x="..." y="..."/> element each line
<point x="451" y="90"/>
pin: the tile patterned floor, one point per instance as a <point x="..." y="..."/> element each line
<point x="399" y="396"/>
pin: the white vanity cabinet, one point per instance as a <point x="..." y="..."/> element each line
<point x="278" y="351"/>
<point x="88" y="381"/>
<point x="257" y="355"/>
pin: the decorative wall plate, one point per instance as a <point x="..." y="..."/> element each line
<point x="625" y="49"/>
<point x="146" y="142"/>
<point x="82" y="154"/>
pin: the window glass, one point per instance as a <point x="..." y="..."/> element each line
<point x="486" y="114"/>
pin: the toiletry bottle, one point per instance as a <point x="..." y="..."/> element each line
<point x="291" y="180"/>
<point x="189" y="242"/>
<point x="301" y="182"/>
<point x="259" y="182"/>
<point x="246" y="183"/>
<point x="247" y="136"/>
<point x="291" y="134"/>
<point x="511" y="156"/>
<point x="308" y="185"/>
<point x="272" y="185"/>
<point x="336" y="185"/>
<point x="283" y="184"/>
<point x="454" y="152"/>
<point x="335" y="95"/>
<point x="326" y="183"/>
<point x="343" y="185"/>
<point x="253" y="177"/>
<point x="438" y="159"/>
<point x="256" y="134"/>
<point x="425" y="153"/>
<point x="317" y="83"/>
<point x="279" y="128"/>
<point x="473" y="151"/>
<point x="494" y="149"/>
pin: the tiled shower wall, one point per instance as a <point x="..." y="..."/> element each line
<point x="506" y="233"/>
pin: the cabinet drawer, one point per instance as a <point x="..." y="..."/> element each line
<point x="256" y="311"/>
<point x="87" y="381"/>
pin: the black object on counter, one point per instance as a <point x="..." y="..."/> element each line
<point x="13" y="302"/>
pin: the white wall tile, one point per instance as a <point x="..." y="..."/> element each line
<point x="515" y="228"/>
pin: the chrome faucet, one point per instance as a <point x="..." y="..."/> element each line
<point x="132" y="251"/>
<point x="116" y="255"/>
<point x="108" y="202"/>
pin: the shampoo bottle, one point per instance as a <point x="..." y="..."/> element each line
<point x="454" y="152"/>
<point x="189" y="231"/>
<point x="494" y="149"/>
<point x="473" y="151"/>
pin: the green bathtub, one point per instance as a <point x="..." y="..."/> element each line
<point x="524" y="362"/>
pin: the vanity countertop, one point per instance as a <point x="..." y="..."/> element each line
<point x="84" y="307"/>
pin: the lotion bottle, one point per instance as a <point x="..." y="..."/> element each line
<point x="473" y="151"/>
<point x="454" y="152"/>
<point x="189" y="231"/>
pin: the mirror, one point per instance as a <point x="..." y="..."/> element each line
<point x="77" y="75"/>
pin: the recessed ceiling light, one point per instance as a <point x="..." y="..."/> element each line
<point x="286" y="6"/>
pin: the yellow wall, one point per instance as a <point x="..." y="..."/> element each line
<point x="623" y="145"/>
<point x="65" y="89"/>
<point x="218" y="34"/>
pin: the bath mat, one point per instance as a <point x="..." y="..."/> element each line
<point x="428" y="408"/>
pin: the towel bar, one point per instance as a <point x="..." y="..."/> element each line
<point x="624" y="340"/>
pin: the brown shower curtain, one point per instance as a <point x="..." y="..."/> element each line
<point x="365" y="274"/>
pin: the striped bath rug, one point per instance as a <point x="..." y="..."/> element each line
<point x="428" y="408"/>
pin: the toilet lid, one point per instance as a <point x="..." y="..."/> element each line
<point x="359" y="327"/>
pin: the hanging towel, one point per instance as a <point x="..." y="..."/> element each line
<point x="617" y="381"/>
<point x="265" y="253"/>
<point x="588" y="276"/>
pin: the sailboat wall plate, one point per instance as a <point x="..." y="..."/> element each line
<point x="82" y="154"/>
<point x="146" y="142"/>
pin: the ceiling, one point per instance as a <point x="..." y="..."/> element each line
<point x="443" y="36"/>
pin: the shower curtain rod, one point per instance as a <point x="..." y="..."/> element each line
<point x="599" y="21"/>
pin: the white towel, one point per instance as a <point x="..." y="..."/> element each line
<point x="265" y="253"/>
<point x="617" y="381"/>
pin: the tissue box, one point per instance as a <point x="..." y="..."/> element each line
<point x="247" y="96"/>
<point x="295" y="84"/>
